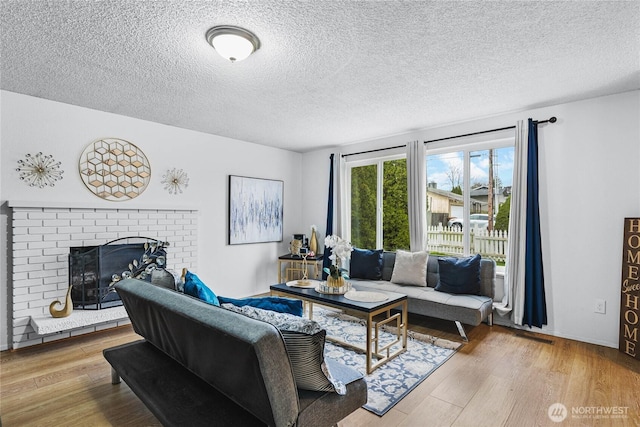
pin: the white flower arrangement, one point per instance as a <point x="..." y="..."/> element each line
<point x="340" y="249"/>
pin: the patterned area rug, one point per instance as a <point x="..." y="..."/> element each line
<point x="388" y="384"/>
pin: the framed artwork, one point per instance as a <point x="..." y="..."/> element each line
<point x="255" y="210"/>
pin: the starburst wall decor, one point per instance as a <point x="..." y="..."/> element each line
<point x="175" y="180"/>
<point x="39" y="170"/>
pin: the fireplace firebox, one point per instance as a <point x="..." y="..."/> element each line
<point x="92" y="269"/>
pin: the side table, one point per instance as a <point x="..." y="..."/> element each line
<point x="294" y="267"/>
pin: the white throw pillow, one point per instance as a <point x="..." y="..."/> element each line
<point x="410" y="268"/>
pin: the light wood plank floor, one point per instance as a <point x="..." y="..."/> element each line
<point x="500" y="378"/>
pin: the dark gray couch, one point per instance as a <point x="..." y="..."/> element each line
<point x="205" y="365"/>
<point x="467" y="309"/>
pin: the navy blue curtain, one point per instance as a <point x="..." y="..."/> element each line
<point x="326" y="262"/>
<point x="535" y="306"/>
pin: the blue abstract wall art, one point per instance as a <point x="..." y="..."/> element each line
<point x="255" y="210"/>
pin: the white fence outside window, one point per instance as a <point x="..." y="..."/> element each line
<point x="489" y="244"/>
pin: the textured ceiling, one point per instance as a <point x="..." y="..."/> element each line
<point x="328" y="72"/>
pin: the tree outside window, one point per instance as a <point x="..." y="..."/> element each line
<point x="468" y="201"/>
<point x="379" y="214"/>
<point x="364" y="182"/>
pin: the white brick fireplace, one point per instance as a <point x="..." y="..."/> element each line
<point x="39" y="247"/>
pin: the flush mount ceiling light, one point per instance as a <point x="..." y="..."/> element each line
<point x="232" y="43"/>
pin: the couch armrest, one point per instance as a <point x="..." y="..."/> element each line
<point x="488" y="277"/>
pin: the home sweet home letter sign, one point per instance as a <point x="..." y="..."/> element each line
<point x="630" y="302"/>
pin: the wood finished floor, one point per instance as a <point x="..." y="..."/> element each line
<point x="498" y="379"/>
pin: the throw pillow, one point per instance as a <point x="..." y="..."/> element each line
<point x="366" y="264"/>
<point x="278" y="304"/>
<point x="163" y="278"/>
<point x="410" y="268"/>
<point x="304" y="340"/>
<point x="459" y="275"/>
<point x="196" y="288"/>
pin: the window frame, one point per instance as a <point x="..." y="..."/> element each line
<point x="466" y="145"/>
<point x="379" y="162"/>
<point x="467" y="148"/>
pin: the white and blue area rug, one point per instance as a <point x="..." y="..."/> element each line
<point x="388" y="384"/>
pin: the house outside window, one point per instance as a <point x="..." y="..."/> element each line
<point x="468" y="199"/>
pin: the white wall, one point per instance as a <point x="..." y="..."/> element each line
<point x="32" y="124"/>
<point x="589" y="182"/>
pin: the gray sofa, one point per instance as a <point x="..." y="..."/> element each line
<point x="467" y="309"/>
<point x="205" y="365"/>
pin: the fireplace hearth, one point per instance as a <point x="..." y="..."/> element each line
<point x="93" y="269"/>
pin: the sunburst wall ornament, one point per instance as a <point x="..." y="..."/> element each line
<point x="39" y="170"/>
<point x="175" y="180"/>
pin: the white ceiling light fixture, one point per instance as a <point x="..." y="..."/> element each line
<point x="232" y="43"/>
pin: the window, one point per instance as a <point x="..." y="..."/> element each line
<point x="378" y="215"/>
<point x="468" y="199"/>
<point x="364" y="209"/>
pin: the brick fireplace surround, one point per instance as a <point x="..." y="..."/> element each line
<point x="39" y="245"/>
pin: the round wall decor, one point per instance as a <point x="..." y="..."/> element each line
<point x="39" y="170"/>
<point x="114" y="169"/>
<point x="175" y="180"/>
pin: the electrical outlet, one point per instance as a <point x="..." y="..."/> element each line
<point x="600" y="306"/>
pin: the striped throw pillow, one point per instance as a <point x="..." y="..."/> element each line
<point x="304" y="340"/>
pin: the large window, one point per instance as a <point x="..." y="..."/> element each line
<point x="378" y="204"/>
<point x="468" y="199"/>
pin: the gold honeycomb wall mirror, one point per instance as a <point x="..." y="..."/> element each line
<point x="114" y="169"/>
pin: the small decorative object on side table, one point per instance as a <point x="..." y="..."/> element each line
<point x="313" y="241"/>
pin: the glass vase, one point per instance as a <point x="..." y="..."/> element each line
<point x="335" y="282"/>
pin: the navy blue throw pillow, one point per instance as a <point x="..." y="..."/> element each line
<point x="459" y="275"/>
<point x="366" y="264"/>
<point x="279" y="304"/>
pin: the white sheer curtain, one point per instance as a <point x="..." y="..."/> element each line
<point x="513" y="300"/>
<point x="416" y="188"/>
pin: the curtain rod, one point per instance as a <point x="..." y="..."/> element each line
<point x="550" y="120"/>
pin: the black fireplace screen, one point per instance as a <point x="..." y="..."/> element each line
<point x="93" y="268"/>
